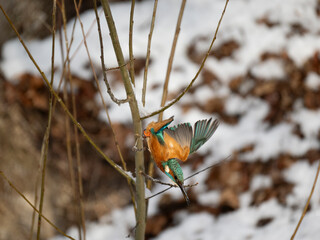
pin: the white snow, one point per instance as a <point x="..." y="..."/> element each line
<point x="242" y="23"/>
<point x="313" y="81"/>
<point x="270" y="69"/>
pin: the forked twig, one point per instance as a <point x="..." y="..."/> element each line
<point x="110" y="93"/>
<point x="64" y="107"/>
<point x="113" y="98"/>
<point x="197" y="74"/>
<point x="137" y="125"/>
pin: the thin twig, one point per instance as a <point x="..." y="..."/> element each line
<point x="113" y="98"/>
<point x="44" y="155"/>
<point x="307" y="204"/>
<point x="156" y="180"/>
<point x="166" y="83"/>
<point x="111" y="162"/>
<point x="117" y="68"/>
<point x="78" y="165"/>
<point x="131" y="57"/>
<point x="35" y="201"/>
<point x="137" y="125"/>
<point x="45" y="143"/>
<point x="102" y="99"/>
<point x="197" y="74"/>
<point x="170" y="62"/>
<point x="144" y="89"/>
<point x="108" y="116"/>
<point x="78" y="161"/>
<point x="34" y="208"/>
<point x="164" y="183"/>
<point x="192" y="175"/>
<point x="67" y="75"/>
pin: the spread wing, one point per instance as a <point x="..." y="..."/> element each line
<point x="181" y="133"/>
<point x="203" y="130"/>
<point x="194" y="139"/>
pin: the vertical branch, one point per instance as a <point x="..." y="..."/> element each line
<point x="139" y="161"/>
<point x="133" y="2"/>
<point x="124" y="165"/>
<point x="79" y="169"/>
<point x="67" y="75"/>
<point x="45" y="143"/>
<point x="170" y="62"/>
<point x="35" y="203"/>
<point x="79" y="188"/>
<point x="166" y="83"/>
<point x="64" y="107"/>
<point x="144" y="89"/>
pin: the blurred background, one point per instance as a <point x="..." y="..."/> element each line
<point x="261" y="80"/>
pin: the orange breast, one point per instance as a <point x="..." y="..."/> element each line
<point x="171" y="149"/>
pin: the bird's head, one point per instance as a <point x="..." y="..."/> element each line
<point x="156" y="127"/>
<point x="149" y="129"/>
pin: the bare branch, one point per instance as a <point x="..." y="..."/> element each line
<point x="197" y="74"/>
<point x="307" y="204"/>
<point x="109" y="119"/>
<point x="144" y="89"/>
<point x="113" y="98"/>
<point x="170" y="62"/>
<point x="165" y="86"/>
<point x="164" y="183"/>
<point x="64" y="107"/>
<point x="45" y="142"/>
<point x="131" y="57"/>
<point x="137" y="125"/>
<point x="192" y="175"/>
<point x="34" y="208"/>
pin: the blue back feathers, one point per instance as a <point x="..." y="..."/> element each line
<point x="159" y="133"/>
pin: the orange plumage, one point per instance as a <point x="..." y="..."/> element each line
<point x="167" y="145"/>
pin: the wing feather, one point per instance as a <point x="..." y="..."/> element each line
<point x="203" y="130"/>
<point x="182" y="133"/>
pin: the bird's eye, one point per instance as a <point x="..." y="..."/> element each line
<point x="175" y="177"/>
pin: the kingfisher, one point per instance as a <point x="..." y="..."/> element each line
<point x="169" y="145"/>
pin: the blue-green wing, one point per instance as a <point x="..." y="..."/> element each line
<point x="203" y="130"/>
<point x="182" y="133"/>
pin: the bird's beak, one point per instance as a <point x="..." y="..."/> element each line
<point x="185" y="195"/>
<point x="143" y="134"/>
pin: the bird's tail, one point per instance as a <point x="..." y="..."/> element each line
<point x="203" y="130"/>
<point x="185" y="195"/>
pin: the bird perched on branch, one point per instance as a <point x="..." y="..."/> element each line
<point x="170" y="144"/>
